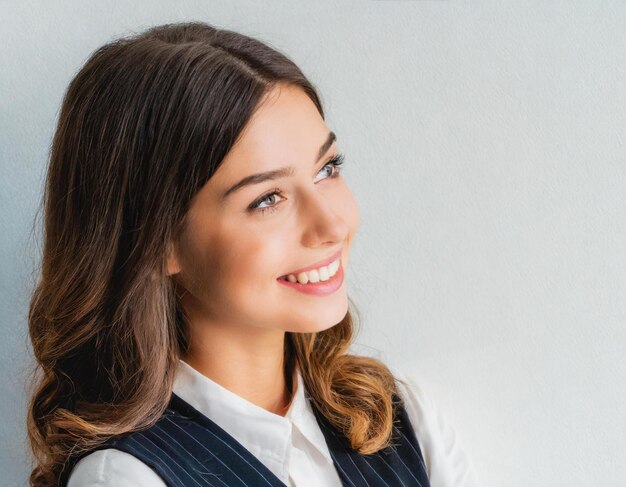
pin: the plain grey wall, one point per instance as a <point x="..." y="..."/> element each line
<point x="485" y="146"/>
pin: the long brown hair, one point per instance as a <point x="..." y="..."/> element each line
<point x="143" y="126"/>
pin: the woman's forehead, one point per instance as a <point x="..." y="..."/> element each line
<point x="287" y="130"/>
<point x="285" y="125"/>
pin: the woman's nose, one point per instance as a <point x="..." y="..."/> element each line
<point x="323" y="220"/>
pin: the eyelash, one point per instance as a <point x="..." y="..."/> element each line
<point x="335" y="162"/>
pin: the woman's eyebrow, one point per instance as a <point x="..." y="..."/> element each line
<point x="277" y="173"/>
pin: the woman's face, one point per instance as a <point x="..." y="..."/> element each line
<point x="231" y="256"/>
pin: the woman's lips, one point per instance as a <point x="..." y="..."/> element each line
<point x="319" y="264"/>
<point x="322" y="288"/>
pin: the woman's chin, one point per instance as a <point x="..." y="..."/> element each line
<point x="321" y="324"/>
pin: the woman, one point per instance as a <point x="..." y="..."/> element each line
<point x="191" y="322"/>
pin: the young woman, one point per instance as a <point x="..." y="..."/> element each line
<point x="191" y="324"/>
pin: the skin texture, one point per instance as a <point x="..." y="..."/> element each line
<point x="229" y="257"/>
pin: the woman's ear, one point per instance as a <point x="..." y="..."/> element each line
<point x="173" y="265"/>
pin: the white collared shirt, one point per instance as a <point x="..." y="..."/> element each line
<point x="292" y="446"/>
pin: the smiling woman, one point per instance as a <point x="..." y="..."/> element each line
<point x="191" y="323"/>
<point x="313" y="216"/>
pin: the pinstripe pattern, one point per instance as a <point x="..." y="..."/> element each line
<point x="187" y="449"/>
<point x="153" y="459"/>
<point x="409" y="442"/>
<point x="400" y="465"/>
<point x="201" y="470"/>
<point x="240" y="456"/>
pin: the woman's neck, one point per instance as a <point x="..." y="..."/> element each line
<point x="251" y="366"/>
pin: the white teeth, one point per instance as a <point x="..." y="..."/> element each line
<point x="324" y="274"/>
<point x="316" y="275"/>
<point x="303" y="278"/>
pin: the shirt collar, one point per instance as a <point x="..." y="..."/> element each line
<point x="266" y="435"/>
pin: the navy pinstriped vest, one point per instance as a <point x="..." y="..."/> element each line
<point x="187" y="449"/>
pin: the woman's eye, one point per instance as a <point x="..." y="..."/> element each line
<point x="335" y="171"/>
<point x="256" y="205"/>
<point x="335" y="166"/>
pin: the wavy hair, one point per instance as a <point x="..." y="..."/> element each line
<point x="143" y="126"/>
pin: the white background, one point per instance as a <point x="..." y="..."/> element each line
<point x="485" y="147"/>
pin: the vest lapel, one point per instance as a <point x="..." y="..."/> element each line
<point x="218" y="451"/>
<point x="400" y="465"/>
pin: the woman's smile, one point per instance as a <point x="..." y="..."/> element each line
<point x="320" y="288"/>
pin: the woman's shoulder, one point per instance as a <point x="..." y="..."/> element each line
<point x="110" y="467"/>
<point x="447" y="463"/>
